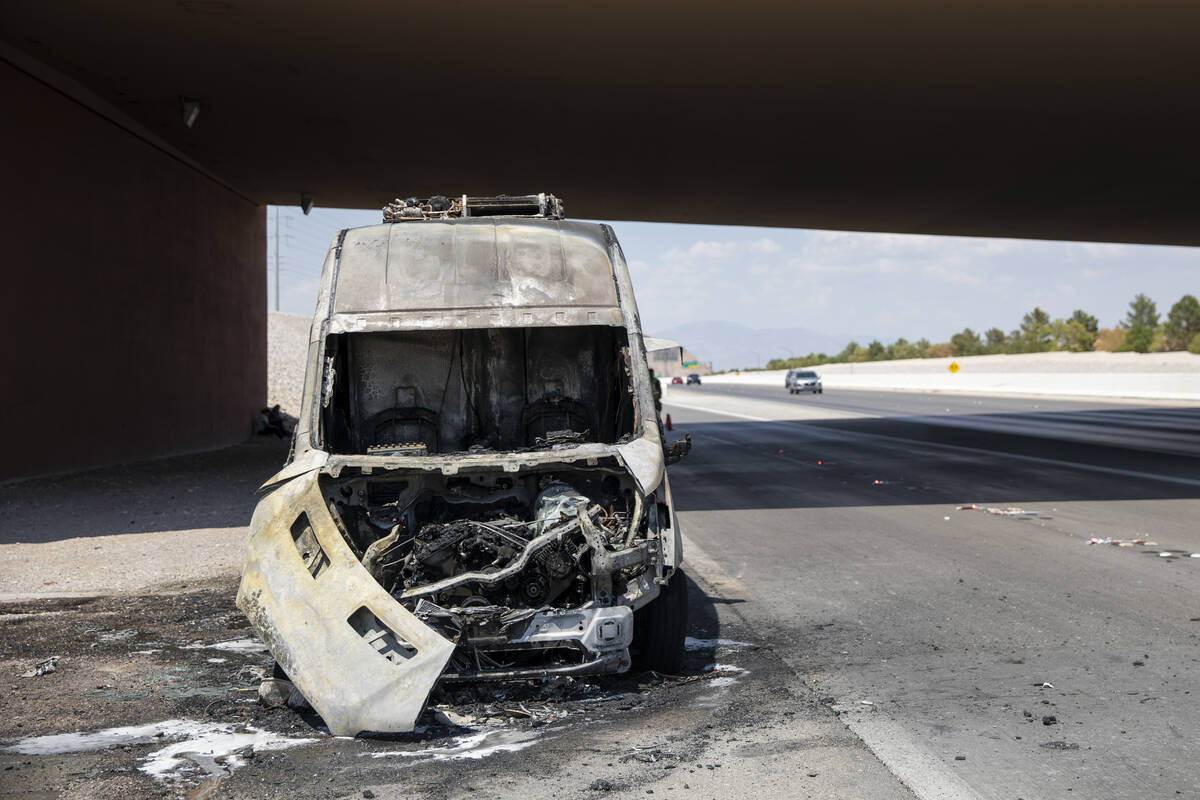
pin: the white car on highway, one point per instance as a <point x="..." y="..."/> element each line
<point x="803" y="380"/>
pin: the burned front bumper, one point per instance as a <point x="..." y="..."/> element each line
<point x="597" y="638"/>
<point x="359" y="657"/>
<point x="362" y="660"/>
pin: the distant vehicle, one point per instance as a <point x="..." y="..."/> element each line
<point x="803" y="380"/>
<point x="676" y="380"/>
<point x="693" y="379"/>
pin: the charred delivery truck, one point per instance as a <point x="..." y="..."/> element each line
<point x="476" y="488"/>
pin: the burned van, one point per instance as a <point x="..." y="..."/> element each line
<point x="476" y="489"/>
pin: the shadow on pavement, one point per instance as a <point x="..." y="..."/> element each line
<point x="215" y="489"/>
<point x="994" y="459"/>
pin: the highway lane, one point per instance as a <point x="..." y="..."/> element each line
<point x="976" y="655"/>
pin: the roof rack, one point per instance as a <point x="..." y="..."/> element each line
<point x="541" y="206"/>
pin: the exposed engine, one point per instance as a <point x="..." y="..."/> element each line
<point x="474" y="555"/>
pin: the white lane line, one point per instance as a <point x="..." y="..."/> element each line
<point x="1053" y="462"/>
<point x="713" y="411"/>
<point x="774" y="409"/>
<point x="921" y="771"/>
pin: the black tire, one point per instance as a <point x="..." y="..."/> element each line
<point x="659" y="629"/>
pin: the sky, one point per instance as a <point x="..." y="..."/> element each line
<point x="876" y="285"/>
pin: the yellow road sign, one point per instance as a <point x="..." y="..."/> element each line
<point x="953" y="366"/>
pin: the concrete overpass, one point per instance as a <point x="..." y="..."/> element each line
<point x="136" y="282"/>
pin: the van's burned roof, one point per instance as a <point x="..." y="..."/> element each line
<point x="484" y="268"/>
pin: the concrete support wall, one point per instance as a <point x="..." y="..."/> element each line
<point x="1150" y="376"/>
<point x="134" y="292"/>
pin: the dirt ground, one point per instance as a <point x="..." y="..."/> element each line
<point x="130" y="660"/>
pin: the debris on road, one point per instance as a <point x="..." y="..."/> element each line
<point x="716" y="672"/>
<point x="1169" y="553"/>
<point x="1011" y="511"/>
<point x="1121" y="542"/>
<point x="43" y="668"/>
<point x="241" y="646"/>
<point x="1060" y="746"/>
<point x="692" y="643"/>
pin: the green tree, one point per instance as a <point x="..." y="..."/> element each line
<point x="1077" y="334"/>
<point x="966" y="343"/>
<point x="876" y="351"/>
<point x="1089" y="323"/>
<point x="939" y="350"/>
<point x="1036" y="335"/>
<point x="997" y="341"/>
<point x="902" y="348"/>
<point x="1183" y="323"/>
<point x="1140" y="321"/>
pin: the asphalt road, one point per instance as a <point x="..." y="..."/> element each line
<point x="854" y="636"/>
<point x="975" y="655"/>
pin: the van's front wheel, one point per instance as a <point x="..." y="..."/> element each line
<point x="660" y="627"/>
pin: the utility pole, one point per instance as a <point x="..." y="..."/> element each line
<point x="276" y="258"/>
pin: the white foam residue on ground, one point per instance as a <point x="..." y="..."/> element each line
<point x="243" y="646"/>
<point x="217" y="660"/>
<point x="215" y="748"/>
<point x="480" y="744"/>
<point x="724" y="668"/>
<point x="728" y="679"/>
<point x="712" y="644"/>
<point x="730" y="676"/>
<point x="212" y="746"/>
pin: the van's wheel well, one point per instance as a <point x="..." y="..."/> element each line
<point x="660" y="627"/>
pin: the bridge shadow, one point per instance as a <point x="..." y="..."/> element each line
<point x="988" y="458"/>
<point x="734" y="464"/>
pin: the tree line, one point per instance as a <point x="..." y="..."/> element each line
<point x="1141" y="331"/>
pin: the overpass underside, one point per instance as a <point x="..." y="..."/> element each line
<point x="134" y="293"/>
<point x="138" y="290"/>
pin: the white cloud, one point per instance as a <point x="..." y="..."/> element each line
<point x="764" y="245"/>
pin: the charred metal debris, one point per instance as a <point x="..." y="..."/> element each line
<point x="501" y="576"/>
<point x="540" y="206"/>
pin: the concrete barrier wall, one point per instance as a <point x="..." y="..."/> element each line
<point x="1162" y="376"/>
<point x="134" y="299"/>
